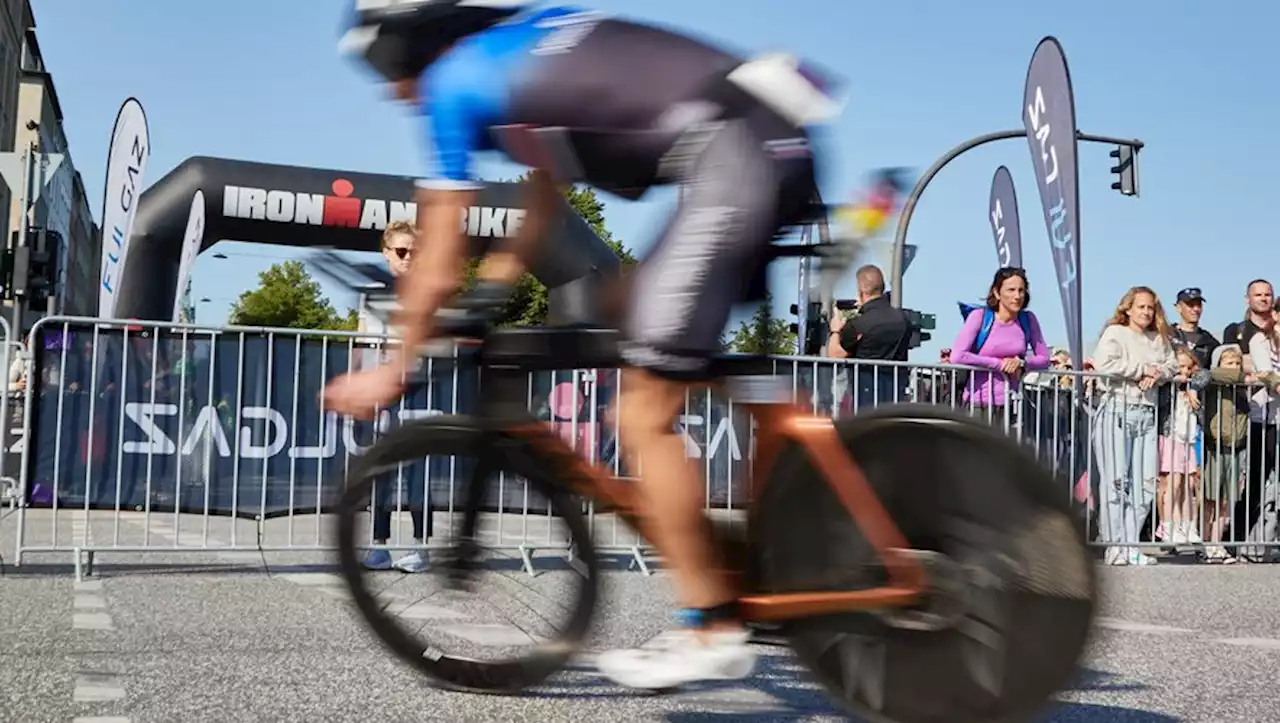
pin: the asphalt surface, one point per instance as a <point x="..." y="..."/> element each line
<point x="187" y="636"/>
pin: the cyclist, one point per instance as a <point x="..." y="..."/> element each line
<point x="624" y="107"/>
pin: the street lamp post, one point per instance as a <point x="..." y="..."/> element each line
<point x="909" y="207"/>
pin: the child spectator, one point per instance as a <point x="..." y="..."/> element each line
<point x="1178" y="458"/>
<point x="1225" y="448"/>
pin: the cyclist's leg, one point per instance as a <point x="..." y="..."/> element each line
<point x="737" y="197"/>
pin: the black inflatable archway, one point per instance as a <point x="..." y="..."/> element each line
<point x="297" y="206"/>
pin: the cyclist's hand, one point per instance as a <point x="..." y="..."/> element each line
<point x="359" y="394"/>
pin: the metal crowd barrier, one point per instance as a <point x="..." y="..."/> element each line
<point x="156" y="437"/>
<point x="11" y="354"/>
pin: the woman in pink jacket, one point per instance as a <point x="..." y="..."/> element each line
<point x="1004" y="338"/>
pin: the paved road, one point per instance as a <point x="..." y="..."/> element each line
<point x="232" y="637"/>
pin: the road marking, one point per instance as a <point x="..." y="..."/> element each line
<point x="490" y="635"/>
<point x="92" y="621"/>
<point x="737" y="700"/>
<point x="89" y="611"/>
<point x="1266" y="643"/>
<point x="1129" y="626"/>
<point x="97" y="688"/>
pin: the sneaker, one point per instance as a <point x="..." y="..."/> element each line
<point x="1180" y="533"/>
<point x="1115" y="556"/>
<point x="1136" y="557"/>
<point x="1193" y="535"/>
<point x="415" y="561"/>
<point x="680" y="656"/>
<point x="1161" y="533"/>
<point x="378" y="560"/>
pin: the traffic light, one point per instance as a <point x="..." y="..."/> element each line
<point x="1126" y="170"/>
<point x="34" y="269"/>
<point x="918" y="323"/>
<point x="6" y="274"/>
<point x="816" y="326"/>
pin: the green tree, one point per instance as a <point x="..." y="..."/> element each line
<point x="287" y="297"/>
<point x="763" y="333"/>
<point x="528" y="304"/>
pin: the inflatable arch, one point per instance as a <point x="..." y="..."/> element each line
<point x="296" y="206"/>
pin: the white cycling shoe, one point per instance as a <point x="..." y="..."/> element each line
<point x="680" y="656"/>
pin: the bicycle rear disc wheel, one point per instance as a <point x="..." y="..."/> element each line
<point x="510" y="635"/>
<point x="1022" y="590"/>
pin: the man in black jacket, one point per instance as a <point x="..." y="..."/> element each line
<point x="1260" y="298"/>
<point x="878" y="333"/>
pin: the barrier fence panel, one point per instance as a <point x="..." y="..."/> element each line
<point x="12" y="360"/>
<point x="163" y="437"/>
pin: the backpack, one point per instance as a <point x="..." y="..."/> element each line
<point x="984" y="331"/>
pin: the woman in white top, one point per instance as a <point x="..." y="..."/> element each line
<point x="1264" y="415"/>
<point x="1136" y="354"/>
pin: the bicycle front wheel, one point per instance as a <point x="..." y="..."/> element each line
<point x="490" y="613"/>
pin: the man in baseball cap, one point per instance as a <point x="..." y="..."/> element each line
<point x="1188" y="334"/>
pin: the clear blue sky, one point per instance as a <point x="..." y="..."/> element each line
<point x="260" y="80"/>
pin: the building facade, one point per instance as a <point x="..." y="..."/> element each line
<point x="63" y="205"/>
<point x="15" y="19"/>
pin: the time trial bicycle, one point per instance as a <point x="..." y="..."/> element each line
<point x="920" y="564"/>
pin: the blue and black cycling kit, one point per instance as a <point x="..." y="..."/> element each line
<point x="624" y="107"/>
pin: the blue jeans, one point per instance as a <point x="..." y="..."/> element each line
<point x="1125" y="445"/>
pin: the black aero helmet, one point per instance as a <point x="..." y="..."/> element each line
<point x="400" y="38"/>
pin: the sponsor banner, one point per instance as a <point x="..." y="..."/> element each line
<point x="321" y="208"/>
<point x="233" y="424"/>
<point x="126" y="166"/>
<point x="342" y="209"/>
<point x="1049" y="113"/>
<point x="1003" y="212"/>
<point x="190" y="249"/>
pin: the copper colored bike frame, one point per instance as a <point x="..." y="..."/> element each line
<point x="776" y="424"/>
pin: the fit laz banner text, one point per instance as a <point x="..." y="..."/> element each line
<point x="126" y="165"/>
<point x="1002" y="211"/>
<point x="1049" y="113"/>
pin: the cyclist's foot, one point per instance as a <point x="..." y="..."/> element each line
<point x="681" y="656"/>
<point x="378" y="560"/>
<point x="415" y="561"/>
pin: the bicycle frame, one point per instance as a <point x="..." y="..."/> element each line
<point x="777" y="424"/>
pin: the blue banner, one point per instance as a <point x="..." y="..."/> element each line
<point x="231" y="423"/>
<point x="1002" y="210"/>
<point x="1049" y="113"/>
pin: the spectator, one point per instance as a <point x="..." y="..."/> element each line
<point x="878" y="333"/>
<point x="398" y="242"/>
<point x="1259" y="298"/>
<point x="998" y="337"/>
<point x="1264" y="414"/>
<point x="1226" y="435"/>
<point x="1135" y="351"/>
<point x="1188" y="334"/>
<point x="1179" y="463"/>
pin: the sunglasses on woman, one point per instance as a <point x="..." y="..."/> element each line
<point x="401" y="251"/>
